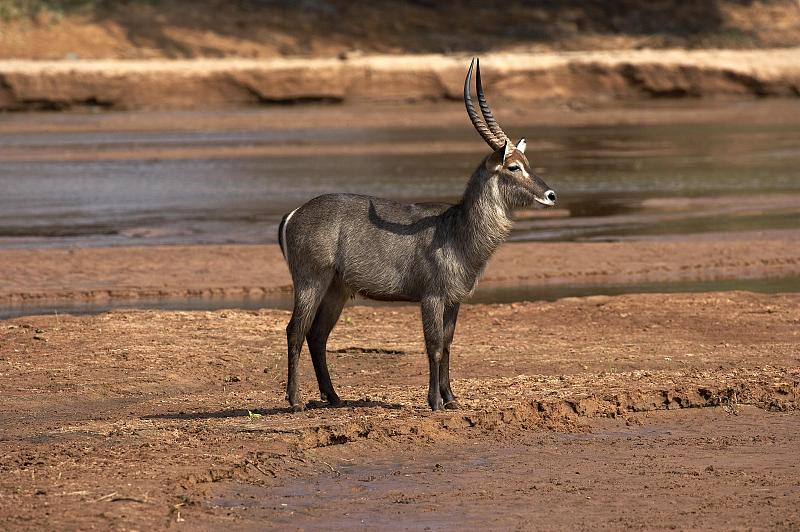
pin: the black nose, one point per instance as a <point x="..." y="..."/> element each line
<point x="551" y="196"/>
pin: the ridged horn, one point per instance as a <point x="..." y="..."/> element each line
<point x="487" y="112"/>
<point x="480" y="127"/>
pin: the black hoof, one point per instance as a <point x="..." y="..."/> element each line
<point x="436" y="405"/>
<point x="452" y="405"/>
<point x="296" y="408"/>
<point x="331" y="398"/>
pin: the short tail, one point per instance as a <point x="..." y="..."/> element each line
<point x="282" y="234"/>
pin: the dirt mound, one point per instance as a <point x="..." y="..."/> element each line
<point x="52" y="29"/>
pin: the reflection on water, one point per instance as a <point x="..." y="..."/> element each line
<point x="91" y="187"/>
<point x="486" y="293"/>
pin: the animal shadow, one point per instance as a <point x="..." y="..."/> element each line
<point x="274" y="411"/>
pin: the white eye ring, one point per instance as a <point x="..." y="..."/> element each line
<point x="513" y="168"/>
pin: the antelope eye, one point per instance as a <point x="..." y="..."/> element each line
<point x="513" y="168"/>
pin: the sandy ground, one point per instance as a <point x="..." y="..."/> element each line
<point x="204" y="83"/>
<point x="632" y="411"/>
<point x="97" y="274"/>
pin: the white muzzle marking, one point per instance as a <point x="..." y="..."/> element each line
<point x="547" y="198"/>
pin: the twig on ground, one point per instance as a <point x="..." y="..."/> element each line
<point x="105" y="497"/>
<point x="132" y="499"/>
<point x="332" y="469"/>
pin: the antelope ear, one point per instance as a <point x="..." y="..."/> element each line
<point x="521" y="145"/>
<point x="498" y="157"/>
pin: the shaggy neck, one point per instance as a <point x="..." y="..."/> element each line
<point x="483" y="222"/>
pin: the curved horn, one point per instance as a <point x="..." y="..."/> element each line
<point x="473" y="114"/>
<point x="487" y="112"/>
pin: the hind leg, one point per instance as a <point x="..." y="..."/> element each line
<point x="450" y="317"/>
<point x="327" y="315"/>
<point x="307" y="297"/>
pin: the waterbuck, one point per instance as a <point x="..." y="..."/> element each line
<point x="339" y="245"/>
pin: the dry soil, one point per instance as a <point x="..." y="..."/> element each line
<point x="633" y="411"/>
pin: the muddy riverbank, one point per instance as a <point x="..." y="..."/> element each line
<point x="170" y="272"/>
<point x="594" y="76"/>
<point x="140" y="418"/>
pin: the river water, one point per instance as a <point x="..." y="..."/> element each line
<point x="148" y="178"/>
<point x="71" y="180"/>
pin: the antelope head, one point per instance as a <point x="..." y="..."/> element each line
<point x="518" y="185"/>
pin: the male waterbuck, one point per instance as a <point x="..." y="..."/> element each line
<point x="339" y="245"/>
